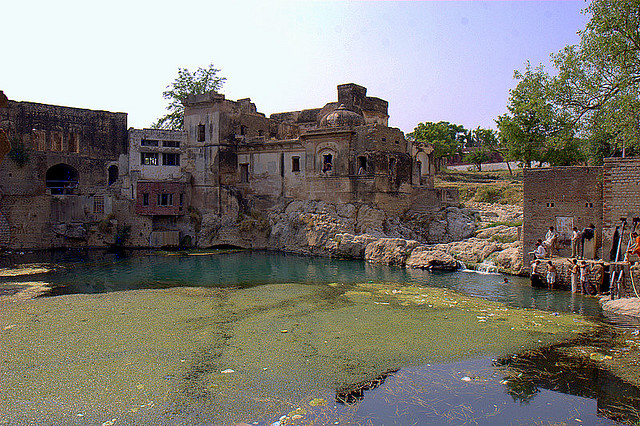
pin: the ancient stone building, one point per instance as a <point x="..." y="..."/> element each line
<point x="77" y="177"/>
<point x="59" y="173"/>
<point x="341" y="152"/>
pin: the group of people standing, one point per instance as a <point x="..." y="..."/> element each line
<point x="579" y="272"/>
<point x="579" y="276"/>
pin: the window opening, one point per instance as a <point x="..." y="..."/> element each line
<point x="149" y="158"/>
<point x="112" y="171"/>
<point x="201" y="135"/>
<point x="98" y="204"/>
<point x="171" y="144"/>
<point x="362" y="165"/>
<point x="282" y="164"/>
<point x="165" y="199"/>
<point x="295" y="164"/>
<point x="148" y="142"/>
<point x="170" y="159"/>
<point x="145" y="199"/>
<point x="244" y="173"/>
<point x="327" y="162"/>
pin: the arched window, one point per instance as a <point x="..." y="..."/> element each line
<point x="362" y="165"/>
<point x="113" y="174"/>
<point x="62" y="179"/>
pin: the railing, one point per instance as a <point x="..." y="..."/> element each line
<point x="62" y="187"/>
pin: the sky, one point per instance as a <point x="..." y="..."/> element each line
<point x="431" y="60"/>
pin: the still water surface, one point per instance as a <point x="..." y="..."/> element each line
<point x="250" y="337"/>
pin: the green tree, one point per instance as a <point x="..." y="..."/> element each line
<point x="201" y="81"/>
<point x="598" y="81"/>
<point x="477" y="157"/>
<point x="534" y="129"/>
<point x="447" y="139"/>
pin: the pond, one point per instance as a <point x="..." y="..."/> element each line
<point x="263" y="339"/>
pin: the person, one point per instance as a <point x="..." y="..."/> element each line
<point x="540" y="251"/>
<point x="598" y="275"/>
<point x="551" y="275"/>
<point x="575" y="242"/>
<point x="584" y="278"/>
<point x="536" y="279"/>
<point x="575" y="274"/>
<point x="551" y="240"/>
<point x="635" y="248"/>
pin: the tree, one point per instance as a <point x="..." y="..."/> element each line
<point x="447" y="139"/>
<point x="477" y="157"/>
<point x="598" y="81"/>
<point x="201" y="81"/>
<point x="489" y="141"/>
<point x="534" y="129"/>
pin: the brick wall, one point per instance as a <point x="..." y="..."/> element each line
<point x="553" y="196"/>
<point x="621" y="187"/>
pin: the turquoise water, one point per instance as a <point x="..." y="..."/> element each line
<point x="250" y="337"/>
<point x="246" y="269"/>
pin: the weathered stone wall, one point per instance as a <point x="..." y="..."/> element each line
<point x="569" y="196"/>
<point x="91" y="133"/>
<point x="621" y="187"/>
<point x="41" y="206"/>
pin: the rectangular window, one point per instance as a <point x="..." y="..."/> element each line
<point x="201" y="135"/>
<point x="149" y="158"/>
<point x="165" y="199"/>
<point x="244" y="173"/>
<point x="98" y="204"/>
<point x="145" y="199"/>
<point x="149" y="142"/>
<point x="170" y="159"/>
<point x="295" y="164"/>
<point x="74" y="142"/>
<point x="171" y="144"/>
<point x="181" y="198"/>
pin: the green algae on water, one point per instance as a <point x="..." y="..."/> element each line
<point x="219" y="355"/>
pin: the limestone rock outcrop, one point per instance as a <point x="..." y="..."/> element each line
<point x="437" y="239"/>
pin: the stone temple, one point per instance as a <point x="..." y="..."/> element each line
<point x="73" y="177"/>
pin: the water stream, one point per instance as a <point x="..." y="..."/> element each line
<point x="224" y="339"/>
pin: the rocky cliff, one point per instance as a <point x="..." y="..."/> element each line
<point x="436" y="239"/>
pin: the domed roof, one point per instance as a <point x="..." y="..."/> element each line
<point x="342" y="117"/>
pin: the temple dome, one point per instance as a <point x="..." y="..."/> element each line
<point x="342" y="117"/>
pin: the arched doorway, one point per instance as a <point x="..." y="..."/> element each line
<point x="62" y="179"/>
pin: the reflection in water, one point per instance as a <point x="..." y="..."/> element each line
<point x="352" y="394"/>
<point x="555" y="368"/>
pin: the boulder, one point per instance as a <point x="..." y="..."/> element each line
<point x="432" y="258"/>
<point x="389" y="251"/>
<point x="349" y="245"/>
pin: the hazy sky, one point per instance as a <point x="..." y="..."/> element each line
<point x="435" y="60"/>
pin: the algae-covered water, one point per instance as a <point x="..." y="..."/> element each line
<point x="224" y="339"/>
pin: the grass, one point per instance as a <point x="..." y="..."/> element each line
<point x="505" y="223"/>
<point x="496" y="187"/>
